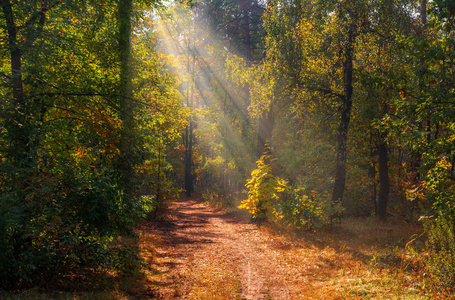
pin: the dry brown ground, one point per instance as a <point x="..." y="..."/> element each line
<point x="203" y="253"/>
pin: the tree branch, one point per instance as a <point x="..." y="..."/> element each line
<point x="330" y="92"/>
<point x="41" y="14"/>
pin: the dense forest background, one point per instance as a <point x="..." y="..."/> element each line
<point x="302" y="112"/>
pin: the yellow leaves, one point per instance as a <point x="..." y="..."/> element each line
<point x="263" y="188"/>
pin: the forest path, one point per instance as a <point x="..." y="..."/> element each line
<point x="204" y="253"/>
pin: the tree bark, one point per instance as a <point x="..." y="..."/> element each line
<point x="417" y="159"/>
<point x="423" y="13"/>
<point x="265" y="128"/>
<point x="384" y="184"/>
<point x="340" y="170"/>
<point x="15" y="53"/>
<point x="126" y="157"/>
<point x="189" y="188"/>
<point x="372" y="174"/>
<point x="245" y="6"/>
<point x="19" y="150"/>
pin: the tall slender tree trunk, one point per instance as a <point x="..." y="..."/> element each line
<point x="423" y="12"/>
<point x="126" y="144"/>
<point x="16" y="123"/>
<point x="417" y="159"/>
<point x="384" y="183"/>
<point x="372" y="174"/>
<point x="340" y="169"/>
<point x="189" y="187"/>
<point x="15" y="53"/>
<point x="245" y="5"/>
<point x="265" y="128"/>
<point x="383" y="160"/>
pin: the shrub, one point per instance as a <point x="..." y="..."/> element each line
<point x="307" y="210"/>
<point x="62" y="223"/>
<point x="270" y="197"/>
<point x="441" y="250"/>
<point x="263" y="191"/>
<point x="440" y="188"/>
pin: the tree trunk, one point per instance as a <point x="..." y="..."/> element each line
<point x="126" y="157"/>
<point x="340" y="170"/>
<point x="265" y="128"/>
<point x="423" y="13"/>
<point x="245" y="5"/>
<point x="384" y="184"/>
<point x="15" y="52"/>
<point x="189" y="188"/>
<point x="372" y="174"/>
<point x="15" y="124"/>
<point x="417" y="159"/>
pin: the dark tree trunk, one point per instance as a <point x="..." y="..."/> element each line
<point x="23" y="146"/>
<point x="245" y="6"/>
<point x="417" y="159"/>
<point x="372" y="174"/>
<point x="265" y="128"/>
<point x="384" y="184"/>
<point x="187" y="162"/>
<point x="125" y="9"/>
<point x="15" y="125"/>
<point x="340" y="170"/>
<point x="15" y="52"/>
<point x="423" y="12"/>
<point x="189" y="187"/>
<point x="126" y="156"/>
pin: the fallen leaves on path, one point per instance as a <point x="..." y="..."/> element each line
<point x="202" y="253"/>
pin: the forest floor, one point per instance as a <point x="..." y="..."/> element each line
<point x="199" y="252"/>
<point x="203" y="253"/>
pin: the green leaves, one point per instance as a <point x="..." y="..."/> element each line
<point x="62" y="197"/>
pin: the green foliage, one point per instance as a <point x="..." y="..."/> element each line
<point x="441" y="252"/>
<point x="439" y="188"/>
<point x="66" y="141"/>
<point x="59" y="224"/>
<point x="271" y="198"/>
<point x="301" y="209"/>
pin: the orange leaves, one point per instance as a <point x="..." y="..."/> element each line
<point x="403" y="94"/>
<point x="81" y="152"/>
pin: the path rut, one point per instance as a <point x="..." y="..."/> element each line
<point x="199" y="234"/>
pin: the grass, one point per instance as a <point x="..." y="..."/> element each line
<point x="385" y="265"/>
<point x="361" y="259"/>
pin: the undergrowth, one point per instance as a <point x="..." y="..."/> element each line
<point x="441" y="254"/>
<point x="271" y="198"/>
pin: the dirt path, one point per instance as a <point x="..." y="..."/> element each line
<point x="201" y="253"/>
<point x="200" y="241"/>
<point x="207" y="252"/>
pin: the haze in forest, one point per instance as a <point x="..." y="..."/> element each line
<point x="305" y="115"/>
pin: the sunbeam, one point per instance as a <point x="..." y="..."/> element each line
<point x="198" y="58"/>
